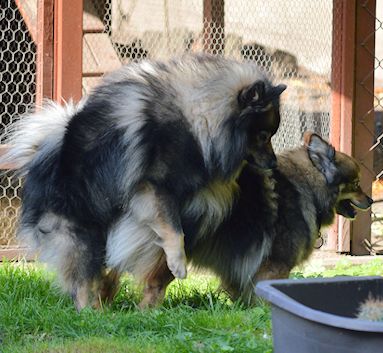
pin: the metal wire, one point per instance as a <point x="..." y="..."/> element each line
<point x="376" y="244"/>
<point x="17" y="94"/>
<point x="290" y="39"/>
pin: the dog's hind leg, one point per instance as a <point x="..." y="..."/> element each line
<point x="107" y="288"/>
<point x="173" y="244"/>
<point x="156" y="283"/>
<point x="157" y="210"/>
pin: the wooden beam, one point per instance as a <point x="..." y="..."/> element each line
<point x="336" y="89"/>
<point x="68" y="50"/>
<point x="342" y="81"/>
<point x="352" y="122"/>
<point x="15" y="253"/>
<point x="364" y="117"/>
<point x="28" y="12"/>
<point x="45" y="60"/>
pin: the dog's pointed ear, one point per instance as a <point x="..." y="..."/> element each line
<point x="322" y="155"/>
<point x="256" y="94"/>
<point x="251" y="94"/>
<point x="275" y="92"/>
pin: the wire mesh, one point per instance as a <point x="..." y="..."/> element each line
<point x="376" y="245"/>
<point x="17" y="94"/>
<point x="290" y="39"/>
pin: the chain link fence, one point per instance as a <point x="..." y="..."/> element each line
<point x="17" y="95"/>
<point x="376" y="245"/>
<point x="290" y="39"/>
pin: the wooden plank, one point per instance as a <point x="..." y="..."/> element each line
<point x="347" y="107"/>
<point x="353" y="116"/>
<point x="45" y="47"/>
<point x="15" y="253"/>
<point x="68" y="50"/>
<point x="99" y="55"/>
<point x="91" y="23"/>
<point x="333" y="233"/>
<point x="336" y="72"/>
<point x="363" y="134"/>
<point x="28" y="10"/>
<point x="342" y="85"/>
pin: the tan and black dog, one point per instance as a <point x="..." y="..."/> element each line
<point x="274" y="223"/>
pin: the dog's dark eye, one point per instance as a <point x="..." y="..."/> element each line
<point x="356" y="184"/>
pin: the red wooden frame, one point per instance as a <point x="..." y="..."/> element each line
<point x="45" y="60"/>
<point x="68" y="50"/>
<point x="364" y="116"/>
<point x="342" y="81"/>
<point x="352" y="113"/>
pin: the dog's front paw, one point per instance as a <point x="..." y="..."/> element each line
<point x="177" y="265"/>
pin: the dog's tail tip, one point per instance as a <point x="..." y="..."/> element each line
<point x="36" y="131"/>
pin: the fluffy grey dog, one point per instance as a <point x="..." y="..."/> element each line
<point x="109" y="183"/>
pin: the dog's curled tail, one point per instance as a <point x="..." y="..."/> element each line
<point x="37" y="133"/>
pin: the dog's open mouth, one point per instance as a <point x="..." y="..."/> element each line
<point x="346" y="209"/>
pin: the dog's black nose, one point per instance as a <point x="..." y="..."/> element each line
<point x="370" y="200"/>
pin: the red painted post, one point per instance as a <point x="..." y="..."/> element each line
<point x="352" y="113"/>
<point x="44" y="67"/>
<point x="336" y="84"/>
<point x="336" y="71"/>
<point x="68" y="50"/>
<point x="341" y="130"/>
<point x="364" y="114"/>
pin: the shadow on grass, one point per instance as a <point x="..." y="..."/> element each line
<point x="35" y="314"/>
<point x="24" y="282"/>
<point x="203" y="293"/>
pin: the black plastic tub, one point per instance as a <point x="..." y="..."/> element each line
<point x="320" y="315"/>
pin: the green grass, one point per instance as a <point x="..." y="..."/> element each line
<point x="195" y="317"/>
